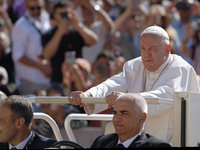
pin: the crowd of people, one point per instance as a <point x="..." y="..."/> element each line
<point x="120" y="46"/>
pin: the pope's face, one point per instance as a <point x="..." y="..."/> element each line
<point x="154" y="51"/>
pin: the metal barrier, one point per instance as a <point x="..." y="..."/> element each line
<point x="51" y="122"/>
<point x="82" y="117"/>
<point x="90" y="100"/>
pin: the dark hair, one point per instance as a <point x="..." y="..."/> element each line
<point x="59" y="4"/>
<point x="104" y="55"/>
<point x="20" y="107"/>
<point x="58" y="87"/>
<point x="183" y="5"/>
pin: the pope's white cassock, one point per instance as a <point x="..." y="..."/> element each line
<point x="173" y="76"/>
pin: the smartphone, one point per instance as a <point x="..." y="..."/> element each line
<point x="70" y="57"/>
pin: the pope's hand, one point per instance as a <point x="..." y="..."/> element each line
<point x="111" y="98"/>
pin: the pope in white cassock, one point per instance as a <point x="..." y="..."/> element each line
<point x="157" y="73"/>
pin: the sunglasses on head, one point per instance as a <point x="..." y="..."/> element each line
<point x="34" y="8"/>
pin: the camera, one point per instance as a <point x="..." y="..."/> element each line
<point x="65" y="15"/>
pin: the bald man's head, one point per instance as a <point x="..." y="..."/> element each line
<point x="130" y="113"/>
<point x="138" y="102"/>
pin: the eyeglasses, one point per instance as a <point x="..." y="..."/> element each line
<point x="35" y="8"/>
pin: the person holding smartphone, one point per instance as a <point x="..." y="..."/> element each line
<point x="76" y="74"/>
<point x="68" y="34"/>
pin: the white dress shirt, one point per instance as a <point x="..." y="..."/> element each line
<point x="26" y="41"/>
<point x="177" y="76"/>
<point x="128" y="142"/>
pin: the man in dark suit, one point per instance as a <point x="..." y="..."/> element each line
<point x="16" y="115"/>
<point x="130" y="113"/>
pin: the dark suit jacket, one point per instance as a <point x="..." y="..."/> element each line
<point x="143" y="140"/>
<point x="36" y="142"/>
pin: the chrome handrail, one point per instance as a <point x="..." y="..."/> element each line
<point x="51" y="122"/>
<point x="70" y="117"/>
<point x="90" y="100"/>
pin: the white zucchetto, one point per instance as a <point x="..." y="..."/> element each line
<point x="157" y="31"/>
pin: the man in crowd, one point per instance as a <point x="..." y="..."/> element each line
<point x="68" y="34"/>
<point x="31" y="69"/>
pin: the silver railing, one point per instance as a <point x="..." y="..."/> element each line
<point x="90" y="100"/>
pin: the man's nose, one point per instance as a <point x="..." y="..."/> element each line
<point x="147" y="52"/>
<point x="117" y="118"/>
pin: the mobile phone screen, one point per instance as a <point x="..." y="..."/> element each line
<point x="70" y="57"/>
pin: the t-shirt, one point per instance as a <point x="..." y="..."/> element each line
<point x="69" y="42"/>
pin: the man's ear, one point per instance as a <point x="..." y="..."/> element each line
<point x="19" y="122"/>
<point x="143" y="117"/>
<point x="168" y="48"/>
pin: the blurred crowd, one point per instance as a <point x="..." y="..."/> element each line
<point x="36" y="37"/>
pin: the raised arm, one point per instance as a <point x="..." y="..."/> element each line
<point x="101" y="14"/>
<point x="88" y="35"/>
<point x="51" y="47"/>
<point x="187" y="51"/>
<point x="63" y="28"/>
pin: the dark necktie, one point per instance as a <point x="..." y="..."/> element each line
<point x="120" y="146"/>
<point x="13" y="147"/>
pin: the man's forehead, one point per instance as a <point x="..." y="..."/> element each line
<point x="150" y="39"/>
<point x="5" y="110"/>
<point x="150" y="35"/>
<point x="120" y="110"/>
<point x="4" y="107"/>
<point x="123" y="105"/>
